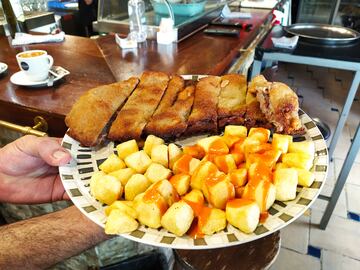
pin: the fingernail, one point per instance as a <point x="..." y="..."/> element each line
<point x="59" y="154"/>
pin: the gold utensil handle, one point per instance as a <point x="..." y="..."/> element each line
<point x="39" y="129"/>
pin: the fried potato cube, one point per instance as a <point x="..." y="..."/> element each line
<point x="150" y="142"/>
<point x="205" y="170"/>
<point x="260" y="134"/>
<point x="181" y="183"/>
<point x="225" y="163"/>
<point x="174" y="154"/>
<point x="139" y="161"/>
<point x="123" y="175"/>
<point x="237" y="131"/>
<point x="238" y="157"/>
<point x="305" y="178"/>
<point x="268" y="158"/>
<point x="125" y="206"/>
<point x="238" y="177"/>
<point x="280" y="165"/>
<point x="218" y="147"/>
<point x="250" y="145"/>
<point x="112" y="163"/>
<point x="239" y="192"/>
<point x="137" y="184"/>
<point x="166" y="190"/>
<point x="218" y="191"/>
<point x="263" y="192"/>
<point x="195" y="199"/>
<point x="194" y="150"/>
<point x="157" y="172"/>
<point x="150" y="207"/>
<point x="186" y="164"/>
<point x="105" y="188"/>
<point x="230" y="140"/>
<point x="281" y="142"/>
<point x="285" y="181"/>
<point x="211" y="220"/>
<point x="298" y="160"/>
<point x="126" y="148"/>
<point x="178" y="218"/>
<point x="120" y="222"/>
<point x="306" y="147"/>
<point x="243" y="214"/>
<point x="159" y="154"/>
<point x="206" y="142"/>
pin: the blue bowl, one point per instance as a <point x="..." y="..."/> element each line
<point x="186" y="10"/>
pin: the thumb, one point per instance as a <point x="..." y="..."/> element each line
<point x="47" y="148"/>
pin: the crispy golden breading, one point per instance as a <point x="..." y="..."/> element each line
<point x="232" y="100"/>
<point x="203" y="117"/>
<point x="172" y="122"/>
<point x="280" y="105"/>
<point x="254" y="117"/>
<point x="139" y="108"/>
<point x="176" y="84"/>
<point x="91" y="113"/>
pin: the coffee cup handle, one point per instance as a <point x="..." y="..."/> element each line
<point x="51" y="60"/>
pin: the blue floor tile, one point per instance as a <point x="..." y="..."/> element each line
<point x="314" y="251"/>
<point x="353" y="216"/>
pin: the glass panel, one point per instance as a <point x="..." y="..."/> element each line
<point x="348" y="14"/>
<point x="314" y="11"/>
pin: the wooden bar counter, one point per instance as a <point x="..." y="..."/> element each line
<point x="101" y="61"/>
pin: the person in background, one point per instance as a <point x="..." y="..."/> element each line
<point x="87" y="14"/>
<point x="29" y="174"/>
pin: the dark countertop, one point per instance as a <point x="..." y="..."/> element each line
<point x="96" y="62"/>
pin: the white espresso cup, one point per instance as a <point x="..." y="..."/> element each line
<point x="35" y="64"/>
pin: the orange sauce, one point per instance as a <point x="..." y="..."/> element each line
<point x="238" y="157"/>
<point x="194" y="231"/>
<point x="218" y="147"/>
<point x="195" y="151"/>
<point x="183" y="164"/>
<point x="221" y="163"/>
<point x="152" y="195"/>
<point x="260" y="133"/>
<point x="236" y="203"/>
<point x="238" y="177"/>
<point x="196" y="206"/>
<point x="238" y="146"/>
<point x="264" y="216"/>
<point x="175" y="179"/>
<point x="266" y="188"/>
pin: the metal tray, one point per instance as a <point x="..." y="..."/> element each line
<point x="323" y="33"/>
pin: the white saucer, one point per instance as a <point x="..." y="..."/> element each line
<point x="3" y="67"/>
<point x="19" y="78"/>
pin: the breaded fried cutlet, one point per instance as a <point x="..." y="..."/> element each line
<point x="280" y="106"/>
<point x="232" y="100"/>
<point x="139" y="108"/>
<point x="172" y="122"/>
<point x="203" y="117"/>
<point x="176" y="84"/>
<point x="92" y="112"/>
<point x="254" y="117"/>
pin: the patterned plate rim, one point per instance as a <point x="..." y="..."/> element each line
<point x="75" y="178"/>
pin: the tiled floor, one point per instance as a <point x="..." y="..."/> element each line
<point x="322" y="93"/>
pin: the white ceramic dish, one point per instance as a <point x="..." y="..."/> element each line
<point x="56" y="72"/>
<point x="76" y="178"/>
<point x="3" y="68"/>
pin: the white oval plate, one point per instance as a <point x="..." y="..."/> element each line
<point x="76" y="180"/>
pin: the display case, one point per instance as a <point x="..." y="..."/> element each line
<point x="190" y="15"/>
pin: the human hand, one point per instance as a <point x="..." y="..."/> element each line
<point x="88" y="2"/>
<point x="28" y="170"/>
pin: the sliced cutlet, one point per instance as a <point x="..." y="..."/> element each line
<point x="203" y="117"/>
<point x="232" y="100"/>
<point x="172" y="122"/>
<point x="139" y="108"/>
<point x="92" y="111"/>
<point x="176" y="84"/>
<point x="254" y="117"/>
